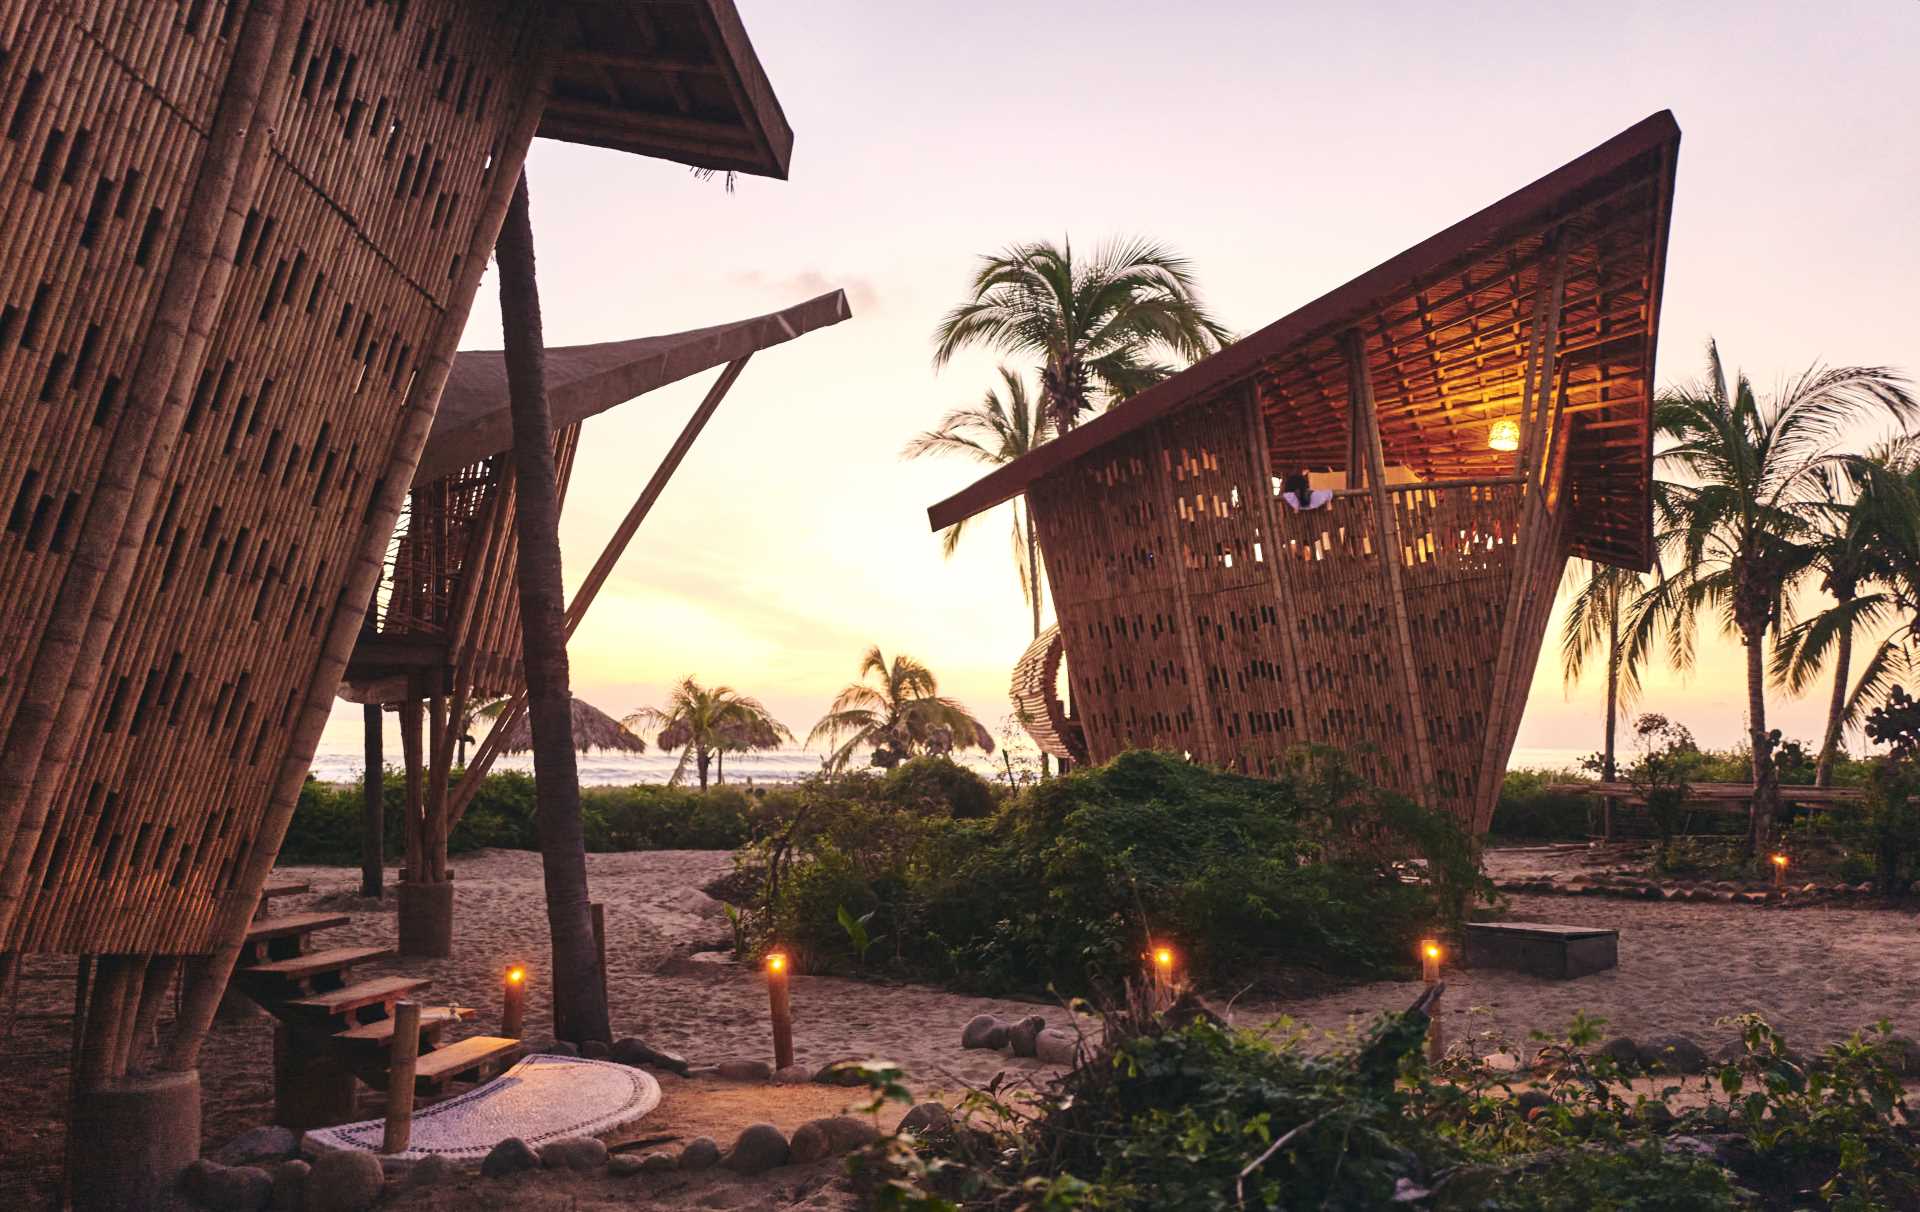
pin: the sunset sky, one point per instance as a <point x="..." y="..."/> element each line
<point x="1284" y="148"/>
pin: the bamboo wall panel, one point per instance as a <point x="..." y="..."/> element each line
<point x="343" y="271"/>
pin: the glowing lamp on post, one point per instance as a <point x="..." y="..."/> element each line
<point x="513" y="1012"/>
<point x="1505" y="435"/>
<point x="781" y="1008"/>
<point x="1430" y="954"/>
<point x="1779" y="870"/>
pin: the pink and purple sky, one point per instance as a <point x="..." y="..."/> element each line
<point x="1283" y="147"/>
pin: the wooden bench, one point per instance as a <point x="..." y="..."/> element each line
<point x="1558" y="953"/>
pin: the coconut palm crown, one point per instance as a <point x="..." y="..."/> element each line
<point x="997" y="430"/>
<point x="1739" y="527"/>
<point x="706" y="722"/>
<point x="899" y="715"/>
<point x="1103" y="329"/>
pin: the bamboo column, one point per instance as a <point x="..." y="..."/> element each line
<point x="402" y="1058"/>
<point x="374" y="826"/>
<point x="579" y="992"/>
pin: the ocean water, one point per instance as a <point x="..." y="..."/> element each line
<point x="337" y="762"/>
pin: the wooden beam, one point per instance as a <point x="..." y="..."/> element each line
<point x="619" y="61"/>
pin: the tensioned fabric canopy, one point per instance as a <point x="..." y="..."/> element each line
<point x="585" y="380"/>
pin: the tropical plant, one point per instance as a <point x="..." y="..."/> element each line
<point x="900" y="715"/>
<point x="1739" y="529"/>
<point x="707" y="722"/>
<point x="995" y="431"/>
<point x="1867" y="552"/>
<point x="1103" y="330"/>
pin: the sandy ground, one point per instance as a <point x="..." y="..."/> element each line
<point x="1815" y="973"/>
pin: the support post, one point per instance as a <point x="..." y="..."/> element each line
<point x="780" y="1009"/>
<point x="374" y="823"/>
<point x="513" y="1004"/>
<point x="405" y="1054"/>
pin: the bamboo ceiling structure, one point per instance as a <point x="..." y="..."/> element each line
<point x="443" y="630"/>
<point x="1201" y="614"/>
<point x="239" y="240"/>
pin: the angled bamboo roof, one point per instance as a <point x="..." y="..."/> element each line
<point x="584" y="380"/>
<point x="674" y="79"/>
<point x="1446" y="325"/>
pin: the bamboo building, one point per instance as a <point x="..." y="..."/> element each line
<point x="1477" y="410"/>
<point x="240" y="242"/>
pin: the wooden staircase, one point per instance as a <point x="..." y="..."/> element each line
<point x="334" y="1030"/>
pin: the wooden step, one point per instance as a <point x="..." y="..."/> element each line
<point x="285" y="888"/>
<point x="431" y="1017"/>
<point x="317" y="963"/>
<point x="474" y="1052"/>
<point x="294" y="923"/>
<point x="367" y="993"/>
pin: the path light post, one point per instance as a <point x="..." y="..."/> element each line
<point x="1430" y="955"/>
<point x="513" y="1007"/>
<point x="1779" y="872"/>
<point x="782" y="1009"/>
<point x="1165" y="973"/>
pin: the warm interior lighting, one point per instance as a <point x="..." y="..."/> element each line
<point x="1505" y="435"/>
<point x="1163" y="957"/>
<point x="776" y="962"/>
<point x="516" y="974"/>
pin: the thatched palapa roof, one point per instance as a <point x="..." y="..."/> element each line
<point x="592" y="729"/>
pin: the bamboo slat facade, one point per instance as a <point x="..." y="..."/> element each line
<point x="1202" y="614"/>
<point x="239" y="240"/>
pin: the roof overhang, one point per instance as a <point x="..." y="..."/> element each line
<point x="1421" y="289"/>
<point x="474" y="420"/>
<point x="674" y="79"/>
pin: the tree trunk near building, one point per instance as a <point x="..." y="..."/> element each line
<point x="1836" y="709"/>
<point x="579" y="993"/>
<point x="374" y="827"/>
<point x="1766" y="782"/>
<point x="1607" y="766"/>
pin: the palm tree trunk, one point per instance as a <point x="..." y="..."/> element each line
<point x="1766" y="786"/>
<point x="1613" y="712"/>
<point x="1033" y="589"/>
<point x="579" y="992"/>
<point x="704" y="759"/>
<point x="720" y="766"/>
<point x="1836" y="709"/>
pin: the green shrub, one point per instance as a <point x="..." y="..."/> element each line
<point x="327" y="823"/>
<point x="1527" y="810"/>
<point x="1063" y="884"/>
<point x="938" y="785"/>
<point x="1177" y="1111"/>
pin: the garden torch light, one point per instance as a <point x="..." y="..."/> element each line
<point x="1779" y="871"/>
<point x="513" y="1012"/>
<point x="1429" y="960"/>
<point x="781" y="1008"/>
<point x="1430" y="973"/>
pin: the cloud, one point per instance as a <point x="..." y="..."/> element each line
<point x="792" y="288"/>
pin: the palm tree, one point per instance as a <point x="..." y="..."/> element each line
<point x="1741" y="527"/>
<point x="1597" y="618"/>
<point x="1102" y="330"/>
<point x="900" y="716"/>
<point x="1866" y="553"/>
<point x="995" y="431"/>
<point x="704" y="722"/>
<point x="579" y="987"/>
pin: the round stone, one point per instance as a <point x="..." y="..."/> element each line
<point x="700" y="1153"/>
<point x="344" y="1180"/>
<point x="984" y="1031"/>
<point x="573" y="1153"/>
<point x="745" y="1070"/>
<point x="510" y="1156"/>
<point x="759" y="1148"/>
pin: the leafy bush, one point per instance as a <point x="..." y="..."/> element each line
<point x="939" y="785"/>
<point x="1064" y="883"/>
<point x="1528" y="810"/>
<point x="1179" y="1111"/>
<point x="327" y="823"/>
